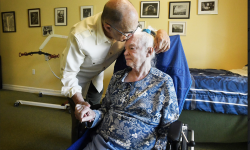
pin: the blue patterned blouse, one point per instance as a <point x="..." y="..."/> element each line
<point x="137" y="115"/>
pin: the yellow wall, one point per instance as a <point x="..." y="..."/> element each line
<point x="212" y="41"/>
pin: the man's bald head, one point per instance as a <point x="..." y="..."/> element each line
<point x="119" y="13"/>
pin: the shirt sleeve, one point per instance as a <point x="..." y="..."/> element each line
<point x="170" y="113"/>
<point x="72" y="59"/>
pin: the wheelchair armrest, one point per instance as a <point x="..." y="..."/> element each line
<point x="174" y="132"/>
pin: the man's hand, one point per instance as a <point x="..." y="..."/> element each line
<point x="78" y="99"/>
<point x="162" y="41"/>
<point x="80" y="105"/>
<point x="84" y="113"/>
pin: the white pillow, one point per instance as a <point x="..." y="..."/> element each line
<point x="245" y="68"/>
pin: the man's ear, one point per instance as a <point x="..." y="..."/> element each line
<point x="106" y="27"/>
<point x="150" y="51"/>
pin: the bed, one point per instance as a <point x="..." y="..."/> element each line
<point x="216" y="105"/>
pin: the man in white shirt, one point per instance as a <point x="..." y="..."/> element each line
<point x="93" y="44"/>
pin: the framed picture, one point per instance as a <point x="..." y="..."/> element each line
<point x="142" y="24"/>
<point x="150" y="9"/>
<point x="86" y="11"/>
<point x="208" y="7"/>
<point x="61" y="16"/>
<point x="179" y="10"/>
<point x="8" y="21"/>
<point x="177" y="28"/>
<point x="47" y="30"/>
<point x="34" y="17"/>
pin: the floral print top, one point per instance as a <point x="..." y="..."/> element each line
<point x="137" y="115"/>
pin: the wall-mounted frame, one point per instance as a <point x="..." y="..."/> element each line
<point x="61" y="16"/>
<point x="8" y="21"/>
<point x="150" y="9"/>
<point x="179" y="10"/>
<point x="47" y="30"/>
<point x="142" y="24"/>
<point x="208" y="7"/>
<point x="86" y="11"/>
<point x="177" y="27"/>
<point x="34" y="17"/>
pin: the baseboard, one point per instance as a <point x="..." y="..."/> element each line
<point x="32" y="90"/>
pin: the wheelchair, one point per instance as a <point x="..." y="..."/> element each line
<point x="177" y="137"/>
<point x="173" y="62"/>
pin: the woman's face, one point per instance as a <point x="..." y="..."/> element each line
<point x="135" y="53"/>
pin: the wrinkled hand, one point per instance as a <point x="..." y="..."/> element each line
<point x="83" y="113"/>
<point x="78" y="109"/>
<point x="162" y="41"/>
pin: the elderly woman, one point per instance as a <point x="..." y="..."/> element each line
<point x="139" y="105"/>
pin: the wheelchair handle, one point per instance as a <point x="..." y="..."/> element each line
<point x="191" y="143"/>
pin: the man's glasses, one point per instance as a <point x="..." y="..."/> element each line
<point x="127" y="35"/>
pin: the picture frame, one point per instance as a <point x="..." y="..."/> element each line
<point x="61" y="16"/>
<point x="86" y="11"/>
<point x="207" y="7"/>
<point x="34" y="17"/>
<point x="177" y="27"/>
<point x="8" y="21"/>
<point x="142" y="24"/>
<point x="179" y="10"/>
<point x="47" y="30"/>
<point x="150" y="9"/>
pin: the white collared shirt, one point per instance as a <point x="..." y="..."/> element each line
<point x="87" y="54"/>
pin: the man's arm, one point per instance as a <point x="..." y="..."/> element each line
<point x="162" y="41"/>
<point x="78" y="100"/>
<point x="72" y="59"/>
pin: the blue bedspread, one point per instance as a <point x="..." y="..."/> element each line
<point x="218" y="91"/>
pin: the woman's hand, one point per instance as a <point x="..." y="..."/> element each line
<point x="83" y="113"/>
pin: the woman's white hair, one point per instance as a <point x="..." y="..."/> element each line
<point x="146" y="40"/>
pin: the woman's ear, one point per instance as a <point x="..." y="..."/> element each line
<point x="150" y="51"/>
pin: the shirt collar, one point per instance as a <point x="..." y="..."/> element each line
<point x="125" y="75"/>
<point x="101" y="37"/>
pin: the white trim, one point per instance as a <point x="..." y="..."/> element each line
<point x="215" y="102"/>
<point x="218" y="91"/>
<point x="33" y="90"/>
<point x="42" y="104"/>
